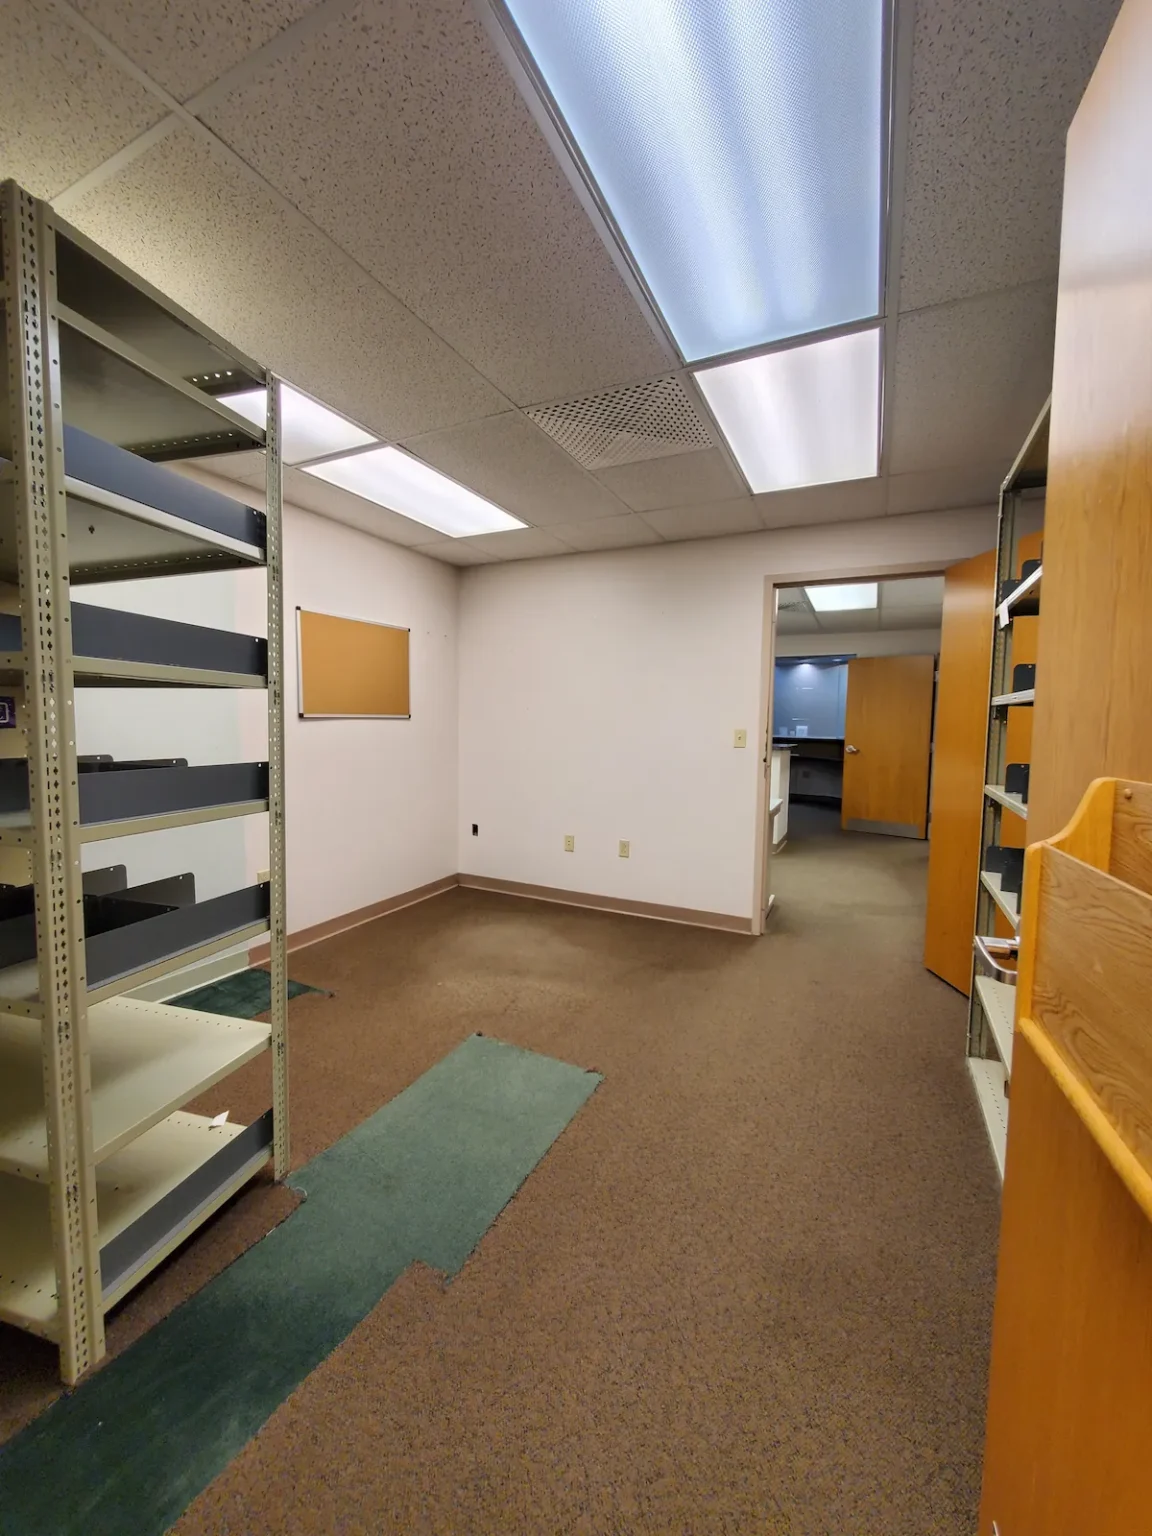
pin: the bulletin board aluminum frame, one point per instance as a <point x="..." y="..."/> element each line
<point x="348" y="618"/>
<point x="30" y="319"/>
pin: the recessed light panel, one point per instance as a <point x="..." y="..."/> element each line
<point x="406" y="485"/>
<point x="308" y="430"/>
<point x="842" y="597"/>
<point x="738" y="146"/>
<point x="809" y="415"/>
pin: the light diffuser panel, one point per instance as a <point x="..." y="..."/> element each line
<point x="737" y="144"/>
<point x="308" y="430"/>
<point x="843" y="597"/>
<point x="809" y="415"/>
<point x="396" y="480"/>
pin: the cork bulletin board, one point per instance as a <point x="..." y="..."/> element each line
<point x="350" y="668"/>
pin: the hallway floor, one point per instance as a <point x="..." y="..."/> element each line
<point x="748" y="1290"/>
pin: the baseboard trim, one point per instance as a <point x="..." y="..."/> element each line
<point x="356" y="919"/>
<point x="687" y="916"/>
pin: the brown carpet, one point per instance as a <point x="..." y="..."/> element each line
<point x="749" y="1290"/>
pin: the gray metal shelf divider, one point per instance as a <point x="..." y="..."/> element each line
<point x="62" y="1293"/>
<point x="988" y="1070"/>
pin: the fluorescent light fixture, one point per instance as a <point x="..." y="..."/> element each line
<point x="308" y="430"/>
<point x="809" y="415"/>
<point x="738" y="146"/>
<point x="838" y="599"/>
<point x="406" y="485"/>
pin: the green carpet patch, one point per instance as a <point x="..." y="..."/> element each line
<point x="421" y="1179"/>
<point x="246" y="995"/>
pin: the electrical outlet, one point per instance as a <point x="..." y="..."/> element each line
<point x="739" y="738"/>
<point x="625" y="849"/>
<point x="569" y="845"/>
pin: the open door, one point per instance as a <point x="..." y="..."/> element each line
<point x="888" y="745"/>
<point x="958" y="779"/>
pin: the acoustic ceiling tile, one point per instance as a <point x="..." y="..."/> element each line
<point x="912" y="592"/>
<point x="688" y="477"/>
<point x="512" y="462"/>
<point x="607" y="533"/>
<point x="943" y="489"/>
<point x="455" y="552"/>
<point x="343" y="507"/>
<point x="706" y="522"/>
<point x="446" y="190"/>
<point x="517" y="544"/>
<point x="970" y="379"/>
<point x="186" y="46"/>
<point x="842" y="503"/>
<point x="994" y="88"/>
<point x="186" y="217"/>
<point x="847" y="623"/>
<point x="796" y="621"/>
<point x="65" y="107"/>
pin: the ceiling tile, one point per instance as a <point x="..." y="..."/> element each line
<point x="192" y="222"/>
<point x="607" y="533"/>
<point x="944" y="489"/>
<point x="455" y="552"/>
<point x="517" y="544"/>
<point x="183" y="47"/>
<point x="821" y="504"/>
<point x="511" y="461"/>
<point x="64" y="106"/>
<point x="703" y="522"/>
<point x="970" y="380"/>
<point x="445" y="188"/>
<point x="796" y="621"/>
<point x="341" y="506"/>
<point x="848" y="623"/>
<point x="658" y="483"/>
<point x="994" y="88"/>
<point x="911" y="592"/>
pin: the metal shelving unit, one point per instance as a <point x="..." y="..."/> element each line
<point x="102" y="1171"/>
<point x="993" y="997"/>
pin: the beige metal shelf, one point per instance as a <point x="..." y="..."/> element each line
<point x="1006" y="700"/>
<point x="990" y="1080"/>
<point x="1025" y="591"/>
<point x="16" y="828"/>
<point x="998" y="1000"/>
<point x="19" y="984"/>
<point x="96" y="671"/>
<point x="146" y="1059"/>
<point x="1011" y="803"/>
<point x="128" y="1185"/>
<point x="1007" y="901"/>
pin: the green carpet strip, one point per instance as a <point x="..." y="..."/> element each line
<point x="246" y="995"/>
<point x="421" y="1179"/>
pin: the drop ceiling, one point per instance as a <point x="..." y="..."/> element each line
<point x="355" y="193"/>
<point x="913" y="602"/>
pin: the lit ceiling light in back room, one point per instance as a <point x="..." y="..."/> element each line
<point x="738" y="146"/>
<point x="807" y="415"/>
<point x="843" y="597"/>
<point x="308" y="430"/>
<point x="394" y="479"/>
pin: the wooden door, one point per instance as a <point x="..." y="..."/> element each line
<point x="887" y="744"/>
<point x="958" y="768"/>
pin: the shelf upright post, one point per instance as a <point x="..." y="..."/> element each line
<point x="36" y="431"/>
<point x="278" y="958"/>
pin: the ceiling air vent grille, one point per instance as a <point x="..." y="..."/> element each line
<point x="624" y="426"/>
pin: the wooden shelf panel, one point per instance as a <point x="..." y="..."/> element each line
<point x="147" y="1059"/>
<point x="128" y="1185"/>
<point x="989" y="1079"/>
<point x="1007" y="901"/>
<point x="998" y="1000"/>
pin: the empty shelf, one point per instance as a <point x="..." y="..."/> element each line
<point x="1011" y="803"/>
<point x="1005" y="700"/>
<point x="990" y="1078"/>
<point x="150" y="1196"/>
<point x="147" y="1059"/>
<point x="998" y="1000"/>
<point x="1007" y="901"/>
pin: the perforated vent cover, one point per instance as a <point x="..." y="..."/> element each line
<point x="622" y="426"/>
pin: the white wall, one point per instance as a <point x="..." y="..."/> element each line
<point x="878" y="642"/>
<point x="599" y="694"/>
<point x="371" y="804"/>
